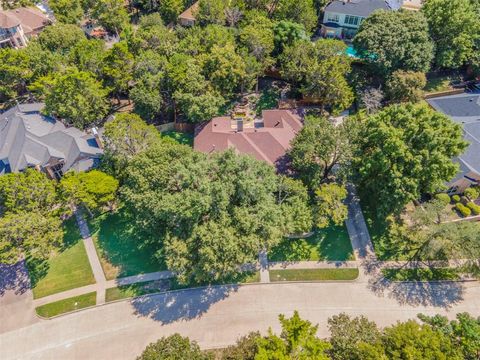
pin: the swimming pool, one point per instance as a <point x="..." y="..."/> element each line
<point x="351" y="52"/>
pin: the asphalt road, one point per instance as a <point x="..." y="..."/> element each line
<point x="217" y="316"/>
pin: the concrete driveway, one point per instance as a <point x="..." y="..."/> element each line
<point x="217" y="316"/>
<point x="16" y="298"/>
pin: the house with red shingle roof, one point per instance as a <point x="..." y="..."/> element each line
<point x="267" y="139"/>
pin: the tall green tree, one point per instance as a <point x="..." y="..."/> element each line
<point x="455" y="29"/>
<point x="111" y="14"/>
<point x="27" y="191"/>
<point x="406" y="86"/>
<point x="173" y="347"/>
<point x="405" y="151"/>
<point x="28" y="234"/>
<point x="409" y="340"/>
<point x="211" y="12"/>
<point x="348" y="335"/>
<point x="286" y="33"/>
<point x="301" y="12"/>
<point x="15" y="73"/>
<point x="297" y="341"/>
<point x="61" y="37"/>
<point x="329" y="205"/>
<point x="125" y="136"/>
<point x="318" y="70"/>
<point x="319" y="147"/>
<point x="118" y="68"/>
<point x="67" y="11"/>
<point x="395" y="40"/>
<point x="210" y="214"/>
<point x="93" y="189"/>
<point x="77" y="97"/>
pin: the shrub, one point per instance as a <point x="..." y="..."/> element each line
<point x="456" y="198"/>
<point x="443" y="198"/>
<point x="465" y="211"/>
<point x="474" y="208"/>
<point x="472" y="193"/>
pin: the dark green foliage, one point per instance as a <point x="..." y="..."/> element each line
<point x="211" y="214"/>
<point x="404" y="152"/>
<point x="174" y="347"/>
<point x="395" y="40"/>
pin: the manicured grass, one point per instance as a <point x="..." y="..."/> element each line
<point x="66" y="270"/>
<point x="119" y="249"/>
<point x="332" y="244"/>
<point x="67" y="305"/>
<point x="149" y="287"/>
<point x="313" y="274"/>
<point x="182" y="138"/>
<point x="426" y="274"/>
<point x="128" y="291"/>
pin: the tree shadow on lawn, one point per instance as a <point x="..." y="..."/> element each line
<point x="442" y="294"/>
<point x="122" y="247"/>
<point x="181" y="305"/>
<point x="38" y="268"/>
<point x="14" y="277"/>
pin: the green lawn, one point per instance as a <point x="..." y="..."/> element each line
<point x="67" y="305"/>
<point x="66" y="270"/>
<point x="149" y="287"/>
<point x="120" y="251"/>
<point x="421" y="274"/>
<point x="182" y="138"/>
<point x="268" y="100"/>
<point x="439" y="84"/>
<point x="128" y="291"/>
<point x="332" y="243"/>
<point x="313" y="274"/>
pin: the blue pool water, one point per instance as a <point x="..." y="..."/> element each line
<point x="351" y="52"/>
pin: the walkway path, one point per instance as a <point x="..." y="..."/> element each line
<point x="217" y="316"/>
<point x="264" y="273"/>
<point x="357" y="228"/>
<point x="92" y="257"/>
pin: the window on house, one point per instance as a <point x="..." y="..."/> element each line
<point x="333" y="18"/>
<point x="57" y="171"/>
<point x="352" y="20"/>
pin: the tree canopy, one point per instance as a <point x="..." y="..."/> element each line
<point x="395" y="40"/>
<point x="211" y="214"/>
<point x="405" y="151"/>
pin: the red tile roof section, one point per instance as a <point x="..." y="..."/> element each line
<point x="268" y="143"/>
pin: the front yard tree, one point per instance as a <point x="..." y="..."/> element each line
<point x="126" y="136"/>
<point x="174" y="347"/>
<point x="298" y="340"/>
<point x="61" y="38"/>
<point x="346" y="334"/>
<point x="319" y="147"/>
<point x="209" y="215"/>
<point x="318" y="69"/>
<point x="298" y="11"/>
<point x="28" y="234"/>
<point x="455" y="29"/>
<point x="405" y="151"/>
<point x="93" y="189"/>
<point x="111" y="14"/>
<point x="211" y="12"/>
<point x="118" y="68"/>
<point x="27" y="191"/>
<point x="395" y="40"/>
<point x="286" y="33"/>
<point x="76" y="97"/>
<point x="329" y="205"/>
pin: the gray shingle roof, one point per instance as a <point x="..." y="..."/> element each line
<point x="361" y="8"/>
<point x="465" y="110"/>
<point x="29" y="138"/>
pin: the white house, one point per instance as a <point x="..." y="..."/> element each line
<point x="342" y="18"/>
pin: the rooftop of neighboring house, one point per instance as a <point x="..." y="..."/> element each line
<point x="464" y="109"/>
<point x="31" y="18"/>
<point x="266" y="139"/>
<point x="361" y="8"/>
<point x="28" y="139"/>
<point x="189" y="13"/>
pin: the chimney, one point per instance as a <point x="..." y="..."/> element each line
<point x="240" y="125"/>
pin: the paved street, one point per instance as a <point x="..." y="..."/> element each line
<point x="217" y="316"/>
